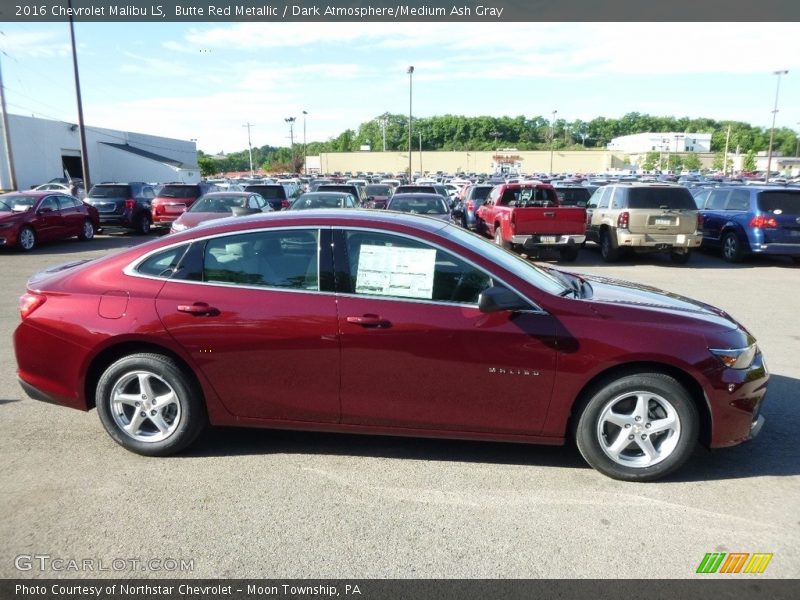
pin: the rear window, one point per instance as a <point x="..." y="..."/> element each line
<point x="180" y="191"/>
<point x="110" y="191"/>
<point x="481" y="193"/>
<point x="268" y="192"/>
<point x="674" y="198"/>
<point x="379" y="190"/>
<point x="573" y="196"/>
<point x="784" y="201"/>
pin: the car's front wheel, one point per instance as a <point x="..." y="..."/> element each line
<point x="26" y="239"/>
<point x="149" y="406"/>
<point x="639" y="427"/>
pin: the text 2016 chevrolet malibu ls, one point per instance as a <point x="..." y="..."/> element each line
<point x="318" y="320"/>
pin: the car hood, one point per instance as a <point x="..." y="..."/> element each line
<point x="607" y="291"/>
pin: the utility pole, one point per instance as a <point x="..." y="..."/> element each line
<point x="772" y="129"/>
<point x="382" y="122"/>
<point x="290" y="121"/>
<point x="410" y="72"/>
<point x="420" y="153"/>
<point x="12" y="175"/>
<point x="305" y="168"/>
<point x="249" y="145"/>
<point x="725" y="156"/>
<point x="87" y="185"/>
<point x="797" y="148"/>
<point x="552" y="140"/>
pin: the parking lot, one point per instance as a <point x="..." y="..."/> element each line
<point x="246" y="502"/>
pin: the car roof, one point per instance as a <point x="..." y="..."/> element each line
<point x="32" y="193"/>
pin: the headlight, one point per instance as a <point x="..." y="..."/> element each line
<point x="736" y="358"/>
<point x="178" y="227"/>
<point x="6" y="225"/>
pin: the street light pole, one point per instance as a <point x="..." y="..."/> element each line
<point x="772" y="129"/>
<point x="290" y="121"/>
<point x="678" y="136"/>
<point x="420" y="153"/>
<point x="249" y="145"/>
<point x="81" y="128"/>
<point x="305" y="167"/>
<point x="410" y="72"/>
<point x="552" y="140"/>
<point x="797" y="148"/>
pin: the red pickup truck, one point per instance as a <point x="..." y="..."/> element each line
<point x="528" y="215"/>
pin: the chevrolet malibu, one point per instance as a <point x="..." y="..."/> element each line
<point x="220" y="325"/>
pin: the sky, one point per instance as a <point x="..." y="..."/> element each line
<point x="204" y="81"/>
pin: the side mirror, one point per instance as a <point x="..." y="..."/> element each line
<point x="591" y="206"/>
<point x="44" y="211"/>
<point x="496" y="299"/>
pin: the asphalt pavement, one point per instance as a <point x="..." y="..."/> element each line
<point x="262" y="503"/>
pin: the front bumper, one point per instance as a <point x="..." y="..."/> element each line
<point x="536" y="241"/>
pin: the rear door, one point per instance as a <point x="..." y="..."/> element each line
<point x="714" y="215"/>
<point x="657" y="211"/>
<point x="48" y="221"/>
<point x="249" y="310"/>
<point x="784" y="207"/>
<point x="72" y="214"/>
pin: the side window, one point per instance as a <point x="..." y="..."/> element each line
<point x="603" y="200"/>
<point x="349" y="202"/>
<point x="147" y="192"/>
<point x="616" y="198"/>
<point x="388" y="265"/>
<point x="716" y="200"/>
<point x="252" y="202"/>
<point x="738" y="200"/>
<point x="700" y="198"/>
<point x="284" y="259"/>
<point x="163" y="264"/>
<point x="49" y="203"/>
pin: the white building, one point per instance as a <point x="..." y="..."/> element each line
<point x="43" y="150"/>
<point x="661" y="142"/>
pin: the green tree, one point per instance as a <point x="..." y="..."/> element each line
<point x="208" y="166"/>
<point x="650" y="161"/>
<point x="749" y="162"/>
<point x="718" y="162"/>
<point x="692" y="162"/>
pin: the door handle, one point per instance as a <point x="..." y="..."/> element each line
<point x="369" y="321"/>
<point x="198" y="309"/>
<point x="549" y="213"/>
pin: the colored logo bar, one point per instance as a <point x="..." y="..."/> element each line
<point x="734" y="562"/>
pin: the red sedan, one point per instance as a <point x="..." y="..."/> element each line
<point x="319" y="320"/>
<point x="27" y="218"/>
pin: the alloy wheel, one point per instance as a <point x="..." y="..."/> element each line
<point x="145" y="407"/>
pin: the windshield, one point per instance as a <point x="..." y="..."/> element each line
<point x="217" y="204"/>
<point x="432" y="205"/>
<point x="506" y="259"/>
<point x="268" y="192"/>
<point x="179" y="191"/>
<point x="18" y="203"/>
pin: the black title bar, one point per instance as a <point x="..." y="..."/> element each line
<point x="402" y="11"/>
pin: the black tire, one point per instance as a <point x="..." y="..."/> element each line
<point x="26" y="239"/>
<point x="87" y="231"/>
<point x="568" y="254"/>
<point x="662" y="398"/>
<point x="498" y="238"/>
<point x="180" y="408"/>
<point x="608" y="251"/>
<point x="795" y="259"/>
<point x="732" y="250"/>
<point x="680" y="258"/>
<point x="143" y="224"/>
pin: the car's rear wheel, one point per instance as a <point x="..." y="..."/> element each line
<point x="498" y="238"/>
<point x="143" y="224"/>
<point x="87" y="231"/>
<point x="639" y="427"/>
<point x="568" y="254"/>
<point x="608" y="251"/>
<point x="149" y="406"/>
<point x="732" y="248"/>
<point x="680" y="258"/>
<point x="26" y="239"/>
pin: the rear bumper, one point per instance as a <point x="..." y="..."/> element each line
<point x="554" y="240"/>
<point x="776" y="249"/>
<point x="626" y="239"/>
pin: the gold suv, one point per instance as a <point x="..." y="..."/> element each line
<point x="643" y="218"/>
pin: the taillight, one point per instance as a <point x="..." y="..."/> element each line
<point x="699" y="222"/>
<point x="762" y="222"/>
<point x="513" y="222"/>
<point x="284" y="204"/>
<point x="130" y="204"/>
<point x="623" y="220"/>
<point x="28" y="303"/>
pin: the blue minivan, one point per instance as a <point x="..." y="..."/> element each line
<point x="744" y="219"/>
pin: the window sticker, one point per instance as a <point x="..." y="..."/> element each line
<point x="392" y="271"/>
